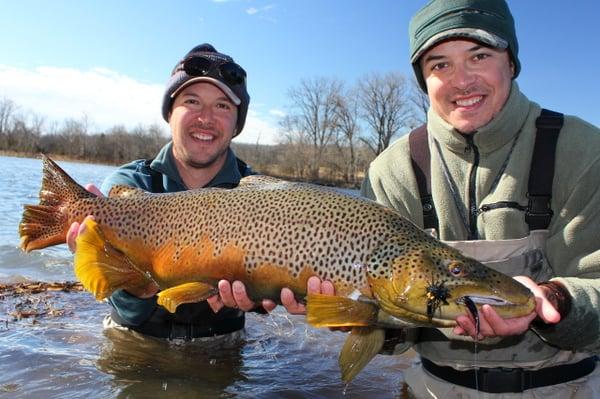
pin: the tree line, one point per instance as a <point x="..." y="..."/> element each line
<point x="330" y="134"/>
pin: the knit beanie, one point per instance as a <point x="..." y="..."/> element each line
<point x="486" y="21"/>
<point x="204" y="63"/>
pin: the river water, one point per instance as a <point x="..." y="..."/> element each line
<point x="65" y="353"/>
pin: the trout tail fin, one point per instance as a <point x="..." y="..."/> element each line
<point x="101" y="268"/>
<point x="47" y="223"/>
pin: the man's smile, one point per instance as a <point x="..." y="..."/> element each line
<point x="468" y="102"/>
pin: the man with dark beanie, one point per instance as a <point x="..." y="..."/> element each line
<point x="205" y="104"/>
<point x="512" y="185"/>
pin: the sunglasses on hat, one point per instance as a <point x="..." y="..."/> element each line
<point x="229" y="72"/>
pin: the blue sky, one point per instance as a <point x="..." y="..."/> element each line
<point x="108" y="60"/>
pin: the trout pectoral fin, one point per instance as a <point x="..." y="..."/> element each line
<point x="337" y="311"/>
<point x="100" y="267"/>
<point x="185" y="293"/>
<point x="362" y="344"/>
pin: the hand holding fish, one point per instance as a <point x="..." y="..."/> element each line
<point x="492" y="325"/>
<point x="234" y="295"/>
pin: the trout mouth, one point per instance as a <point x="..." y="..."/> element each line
<point x="483" y="300"/>
<point x="504" y="307"/>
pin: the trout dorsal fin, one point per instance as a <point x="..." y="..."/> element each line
<point x="124" y="191"/>
<point x="259" y="180"/>
<point x="100" y="267"/>
<point x="57" y="186"/>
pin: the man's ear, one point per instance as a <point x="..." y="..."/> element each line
<point x="512" y="70"/>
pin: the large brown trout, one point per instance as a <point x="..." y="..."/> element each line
<point x="270" y="234"/>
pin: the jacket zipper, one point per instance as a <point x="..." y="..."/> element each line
<point x="472" y="201"/>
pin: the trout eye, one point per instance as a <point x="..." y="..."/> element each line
<point x="456" y="269"/>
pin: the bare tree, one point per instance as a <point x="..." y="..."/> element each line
<point x="347" y="111"/>
<point x="314" y="115"/>
<point x="420" y="102"/>
<point x="74" y="132"/>
<point x="297" y="163"/>
<point x="7" y="109"/>
<point x="385" y="108"/>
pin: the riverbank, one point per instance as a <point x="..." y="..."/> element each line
<point x="60" y="157"/>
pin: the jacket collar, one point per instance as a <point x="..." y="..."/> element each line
<point x="228" y="176"/>
<point x="500" y="130"/>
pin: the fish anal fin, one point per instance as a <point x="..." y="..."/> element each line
<point x="336" y="311"/>
<point x="361" y="346"/>
<point x="123" y="191"/>
<point x="185" y="293"/>
<point x="100" y="267"/>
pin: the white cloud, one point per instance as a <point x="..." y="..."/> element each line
<point x="262" y="11"/>
<point x="258" y="129"/>
<point x="277" y="113"/>
<point x="105" y="97"/>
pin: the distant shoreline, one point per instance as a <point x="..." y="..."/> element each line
<point x="56" y="157"/>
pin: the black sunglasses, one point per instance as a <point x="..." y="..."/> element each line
<point x="230" y="72"/>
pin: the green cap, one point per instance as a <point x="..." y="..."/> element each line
<point x="486" y="21"/>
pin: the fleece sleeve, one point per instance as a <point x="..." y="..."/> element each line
<point x="573" y="249"/>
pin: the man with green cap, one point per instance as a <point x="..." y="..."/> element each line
<point x="512" y="185"/>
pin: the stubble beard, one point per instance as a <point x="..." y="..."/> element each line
<point x="196" y="164"/>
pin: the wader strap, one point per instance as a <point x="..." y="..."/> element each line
<point x="157" y="177"/>
<point x="539" y="211"/>
<point x="421" y="162"/>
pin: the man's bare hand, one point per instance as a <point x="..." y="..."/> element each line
<point x="314" y="286"/>
<point x="492" y="325"/>
<point x="233" y="295"/>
